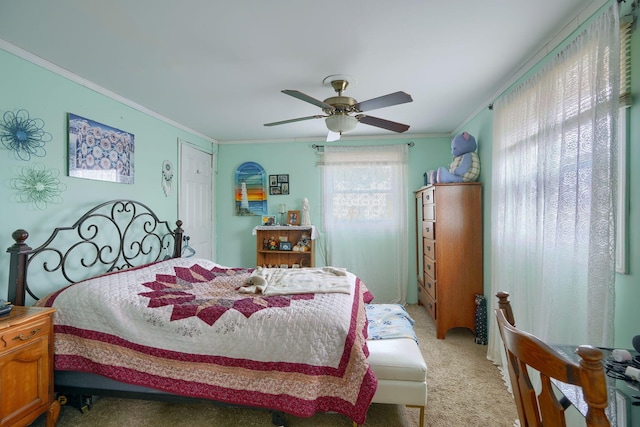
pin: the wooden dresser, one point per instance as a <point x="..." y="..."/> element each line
<point x="449" y="253"/>
<point x="26" y="367"/>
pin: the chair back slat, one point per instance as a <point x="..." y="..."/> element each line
<point x="529" y="400"/>
<point x="525" y="351"/>
<point x="514" y="377"/>
<point x="551" y="410"/>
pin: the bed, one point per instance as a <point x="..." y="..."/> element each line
<point x="136" y="319"/>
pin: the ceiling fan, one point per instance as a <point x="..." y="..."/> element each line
<point x="343" y="113"/>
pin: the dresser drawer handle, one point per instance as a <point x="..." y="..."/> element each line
<point x="23" y="338"/>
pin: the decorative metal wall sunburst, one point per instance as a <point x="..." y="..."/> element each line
<point x="23" y="135"/>
<point x="39" y="186"/>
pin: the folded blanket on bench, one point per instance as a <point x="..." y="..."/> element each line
<point x="388" y="321"/>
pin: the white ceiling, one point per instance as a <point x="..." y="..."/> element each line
<point x="217" y="67"/>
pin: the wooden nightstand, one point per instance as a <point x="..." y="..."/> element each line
<point x="26" y="367"/>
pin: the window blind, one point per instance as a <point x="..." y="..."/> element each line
<point x="626" y="27"/>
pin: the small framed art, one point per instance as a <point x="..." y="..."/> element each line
<point x="285" y="246"/>
<point x="268" y="220"/>
<point x="293" y="218"/>
<point x="278" y="184"/>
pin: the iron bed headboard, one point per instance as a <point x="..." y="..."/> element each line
<point x="114" y="235"/>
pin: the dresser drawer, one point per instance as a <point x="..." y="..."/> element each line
<point x="24" y="334"/>
<point x="429" y="212"/>
<point x="430" y="286"/>
<point x="429" y="248"/>
<point x="422" y="295"/>
<point x="431" y="307"/>
<point x="429" y="229"/>
<point x="429" y="268"/>
<point x="428" y="196"/>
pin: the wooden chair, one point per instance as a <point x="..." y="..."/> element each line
<point x="525" y="350"/>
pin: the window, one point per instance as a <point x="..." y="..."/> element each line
<point x="363" y="193"/>
<point x="555" y="171"/>
<point x="365" y="216"/>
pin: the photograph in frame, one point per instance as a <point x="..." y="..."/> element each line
<point x="293" y="217"/>
<point x="278" y="184"/>
<point x="268" y="220"/>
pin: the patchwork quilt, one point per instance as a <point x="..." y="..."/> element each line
<point x="183" y="326"/>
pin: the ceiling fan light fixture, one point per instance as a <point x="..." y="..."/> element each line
<point x="341" y="123"/>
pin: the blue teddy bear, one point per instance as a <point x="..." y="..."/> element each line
<point x="465" y="166"/>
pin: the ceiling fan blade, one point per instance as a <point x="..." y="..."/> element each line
<point x="307" y="98"/>
<point x="383" y="101"/>
<point x="382" y="123"/>
<point x="299" y="119"/>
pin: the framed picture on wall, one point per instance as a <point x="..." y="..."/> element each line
<point x="250" y="189"/>
<point x="278" y="184"/>
<point x="101" y="152"/>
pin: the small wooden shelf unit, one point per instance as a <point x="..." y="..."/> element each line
<point x="277" y="258"/>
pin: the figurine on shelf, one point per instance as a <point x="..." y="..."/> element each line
<point x="273" y="243"/>
<point x="305" y="218"/>
<point x="303" y="244"/>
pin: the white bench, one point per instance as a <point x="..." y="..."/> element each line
<point x="401" y="371"/>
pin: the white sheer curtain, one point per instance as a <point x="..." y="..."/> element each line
<point x="553" y="193"/>
<point x="365" y="216"/>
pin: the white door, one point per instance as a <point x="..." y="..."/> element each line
<point x="196" y="199"/>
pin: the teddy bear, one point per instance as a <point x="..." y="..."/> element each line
<point x="303" y="244"/>
<point x="465" y="166"/>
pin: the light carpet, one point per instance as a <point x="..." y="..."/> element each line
<point x="464" y="389"/>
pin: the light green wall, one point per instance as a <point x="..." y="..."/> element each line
<point x="48" y="96"/>
<point x="481" y="126"/>
<point x="236" y="244"/>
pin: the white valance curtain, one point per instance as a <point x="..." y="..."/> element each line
<point x="553" y="198"/>
<point x="365" y="216"/>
